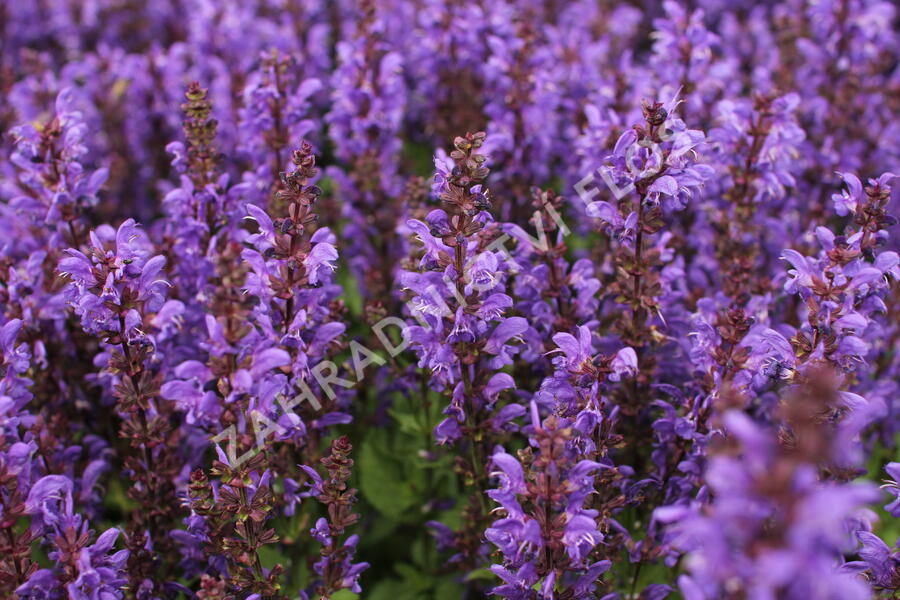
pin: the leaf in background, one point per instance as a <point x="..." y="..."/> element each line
<point x="388" y="478"/>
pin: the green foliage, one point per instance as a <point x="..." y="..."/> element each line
<point x="888" y="527"/>
<point x="352" y="298"/>
<point x="401" y="475"/>
<point x="387" y="480"/>
<point x="420" y="157"/>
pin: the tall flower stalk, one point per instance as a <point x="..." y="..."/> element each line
<point x="335" y="569"/>
<point x="118" y="291"/>
<point x="462" y="335"/>
<point x="657" y="357"/>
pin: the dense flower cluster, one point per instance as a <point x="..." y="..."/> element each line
<point x="421" y="299"/>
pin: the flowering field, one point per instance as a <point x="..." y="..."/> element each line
<point x="436" y="300"/>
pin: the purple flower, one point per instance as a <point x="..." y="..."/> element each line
<point x="893" y="487"/>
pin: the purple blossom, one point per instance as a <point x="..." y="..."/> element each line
<point x="603" y="295"/>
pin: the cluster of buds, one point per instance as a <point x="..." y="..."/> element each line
<point x="235" y="515"/>
<point x="293" y="242"/>
<point x="335" y="569"/>
<point x="872" y="216"/>
<point x="200" y="134"/>
<point x="464" y="191"/>
<point x="16" y="565"/>
<point x="298" y="196"/>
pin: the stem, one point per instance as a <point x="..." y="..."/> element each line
<point x="150" y="479"/>
<point x="12" y="549"/>
<point x="289" y="304"/>
<point x="638" y="318"/>
<point x="460" y="259"/>
<point x="634" y="578"/>
<point x="548" y="517"/>
<point x="142" y="415"/>
<point x="75" y="240"/>
<point x="250" y="528"/>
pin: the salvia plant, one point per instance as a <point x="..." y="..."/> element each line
<point x="433" y="300"/>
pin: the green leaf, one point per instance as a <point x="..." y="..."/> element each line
<point x="408" y="423"/>
<point x="447" y="589"/>
<point x="116" y="499"/>
<point x="414" y="578"/>
<point x="351" y="295"/>
<point x="391" y="589"/>
<point x="420" y="157"/>
<point x="484" y="574"/>
<point x="384" y="481"/>
<point x="270" y="555"/>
